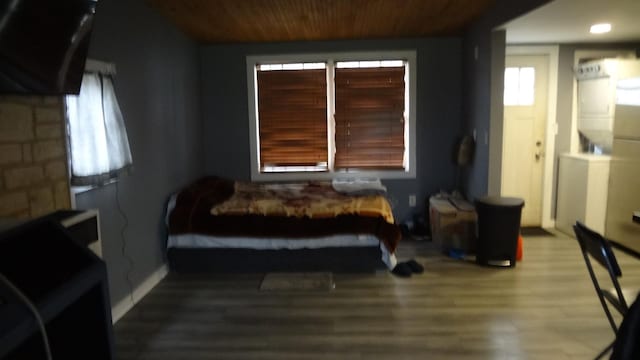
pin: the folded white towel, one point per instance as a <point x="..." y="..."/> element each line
<point x="359" y="186"/>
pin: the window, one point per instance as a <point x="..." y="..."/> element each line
<point x="369" y="116"/>
<point x="326" y="115"/>
<point x="519" y="86"/>
<point x="98" y="143"/>
<point x="292" y="110"/>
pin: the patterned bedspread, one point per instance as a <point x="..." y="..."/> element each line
<point x="221" y="207"/>
<point x="310" y="199"/>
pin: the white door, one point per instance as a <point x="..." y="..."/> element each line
<point x="525" y="117"/>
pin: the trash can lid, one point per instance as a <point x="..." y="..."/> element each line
<point x="501" y="201"/>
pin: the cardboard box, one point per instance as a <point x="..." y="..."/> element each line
<point x="453" y="224"/>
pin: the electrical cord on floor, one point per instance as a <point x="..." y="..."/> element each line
<point x="25" y="300"/>
<point x="123" y="246"/>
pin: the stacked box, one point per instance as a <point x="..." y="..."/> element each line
<point x="453" y="224"/>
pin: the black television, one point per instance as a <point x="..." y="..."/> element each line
<point x="43" y="45"/>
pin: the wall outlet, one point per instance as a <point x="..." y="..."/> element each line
<point x="412" y="200"/>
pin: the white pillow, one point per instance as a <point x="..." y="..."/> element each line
<point x="359" y="186"/>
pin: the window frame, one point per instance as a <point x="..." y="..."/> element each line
<point x="331" y="58"/>
<point x="520" y="100"/>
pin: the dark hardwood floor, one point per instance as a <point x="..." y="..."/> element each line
<point x="544" y="308"/>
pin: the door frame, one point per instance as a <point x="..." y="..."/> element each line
<point x="551" y="130"/>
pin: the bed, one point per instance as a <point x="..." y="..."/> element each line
<point x="221" y="225"/>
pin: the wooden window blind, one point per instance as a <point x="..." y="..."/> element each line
<point x="369" y="118"/>
<point x="292" y="115"/>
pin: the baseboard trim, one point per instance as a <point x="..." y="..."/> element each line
<point x="123" y="306"/>
<point x="549" y="224"/>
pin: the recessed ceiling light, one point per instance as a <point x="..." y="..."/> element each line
<point x="600" y="28"/>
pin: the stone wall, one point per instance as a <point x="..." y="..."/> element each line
<point x="33" y="156"/>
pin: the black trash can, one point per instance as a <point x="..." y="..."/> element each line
<point x="498" y="230"/>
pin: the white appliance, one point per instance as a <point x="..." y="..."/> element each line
<point x="624" y="176"/>
<point x="599" y="190"/>
<point x="598" y="93"/>
<point x="582" y="191"/>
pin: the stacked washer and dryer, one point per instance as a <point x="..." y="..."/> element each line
<point x="600" y="186"/>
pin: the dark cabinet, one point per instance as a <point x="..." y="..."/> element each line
<point x="66" y="282"/>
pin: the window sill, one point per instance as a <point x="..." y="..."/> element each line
<point x="75" y="189"/>
<point x="303" y="176"/>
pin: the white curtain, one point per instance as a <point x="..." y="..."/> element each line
<point x="98" y="138"/>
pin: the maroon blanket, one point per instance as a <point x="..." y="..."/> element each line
<point x="192" y="214"/>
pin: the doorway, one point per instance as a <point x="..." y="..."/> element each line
<point x="523" y="142"/>
<point x="501" y="148"/>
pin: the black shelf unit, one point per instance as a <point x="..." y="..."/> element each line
<point x="68" y="285"/>
<point x="81" y="225"/>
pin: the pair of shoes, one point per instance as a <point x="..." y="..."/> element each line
<point x="407" y="268"/>
<point x="415" y="267"/>
<point x="402" y="270"/>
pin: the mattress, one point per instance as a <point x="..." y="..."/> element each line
<point x="215" y="213"/>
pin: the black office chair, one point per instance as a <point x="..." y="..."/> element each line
<point x="596" y="247"/>
<point x="627" y="343"/>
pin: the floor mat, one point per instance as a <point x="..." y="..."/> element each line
<point x="534" y="231"/>
<point x="313" y="281"/>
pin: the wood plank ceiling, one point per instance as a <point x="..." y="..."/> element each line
<point x="222" y="21"/>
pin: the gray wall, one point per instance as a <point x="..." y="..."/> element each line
<point x="158" y="90"/>
<point x="226" y="124"/>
